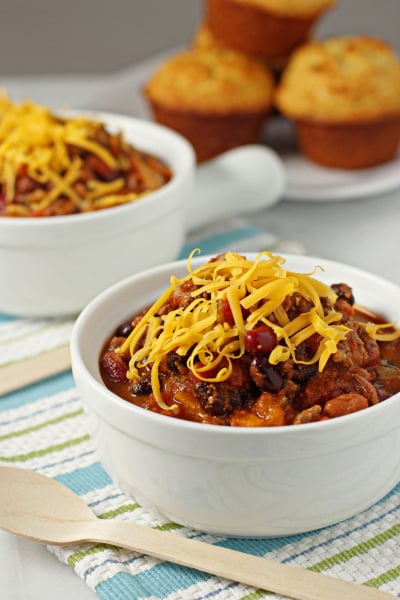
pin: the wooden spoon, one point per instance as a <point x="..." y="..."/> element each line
<point x="33" y="369"/>
<point x="44" y="510"/>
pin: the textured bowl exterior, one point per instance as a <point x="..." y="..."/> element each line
<point x="247" y="482"/>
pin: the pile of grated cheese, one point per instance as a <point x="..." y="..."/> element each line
<point x="255" y="288"/>
<point x="32" y="136"/>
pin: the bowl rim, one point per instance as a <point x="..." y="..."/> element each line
<point x="80" y="367"/>
<point x="181" y="168"/>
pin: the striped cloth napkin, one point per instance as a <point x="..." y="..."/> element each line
<point x="44" y="428"/>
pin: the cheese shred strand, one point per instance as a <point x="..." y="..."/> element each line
<point x="253" y="292"/>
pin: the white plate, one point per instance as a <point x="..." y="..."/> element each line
<point x="305" y="180"/>
<point x="310" y="182"/>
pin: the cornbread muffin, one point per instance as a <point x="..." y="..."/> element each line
<point x="266" y="28"/>
<point x="204" y="39"/>
<point x="344" y="96"/>
<point x="218" y="99"/>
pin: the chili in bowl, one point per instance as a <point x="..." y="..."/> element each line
<point x="52" y="165"/>
<point x="61" y="241"/>
<point x="87" y="199"/>
<point x="222" y="388"/>
<point x="250" y="344"/>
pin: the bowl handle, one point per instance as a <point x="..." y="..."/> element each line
<point x="243" y="180"/>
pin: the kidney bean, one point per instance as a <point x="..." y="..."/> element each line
<point x="344" y="405"/>
<point x="260" y="340"/>
<point x="114" y="367"/>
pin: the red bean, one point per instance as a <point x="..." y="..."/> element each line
<point x="344" y="405"/>
<point x="260" y="340"/>
<point x="114" y="367"/>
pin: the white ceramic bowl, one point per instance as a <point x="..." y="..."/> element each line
<point x="55" y="265"/>
<point x="232" y="480"/>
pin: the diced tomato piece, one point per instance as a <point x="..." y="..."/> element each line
<point x="226" y="313"/>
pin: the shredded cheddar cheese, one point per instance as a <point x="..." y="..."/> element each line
<point x="52" y="152"/>
<point x="256" y="293"/>
<point x="31" y="135"/>
<point x="375" y="331"/>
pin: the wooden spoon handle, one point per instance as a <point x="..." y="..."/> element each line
<point x="33" y="369"/>
<point x="293" y="582"/>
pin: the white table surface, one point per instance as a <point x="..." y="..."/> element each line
<point x="364" y="232"/>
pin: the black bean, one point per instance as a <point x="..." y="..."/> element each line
<point x="266" y="376"/>
<point x="141" y="388"/>
<point x="176" y="363"/>
<point x="124" y="329"/>
<point x="344" y="292"/>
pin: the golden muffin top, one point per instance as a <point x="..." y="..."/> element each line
<point x="341" y="79"/>
<point x="219" y="81"/>
<point x="204" y="39"/>
<point x="292" y="8"/>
